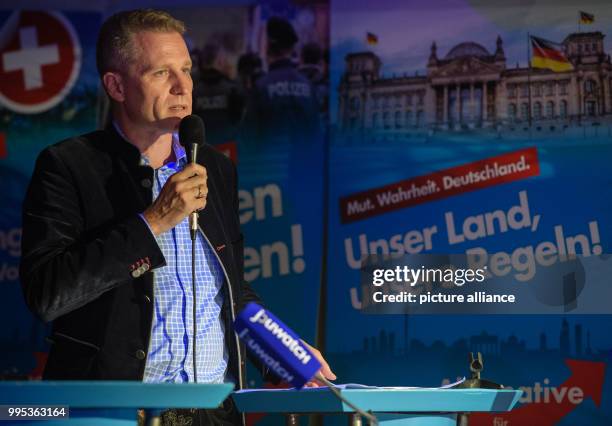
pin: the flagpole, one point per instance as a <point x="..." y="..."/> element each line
<point x="529" y="79"/>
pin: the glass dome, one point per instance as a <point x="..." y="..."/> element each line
<point x="467" y="49"/>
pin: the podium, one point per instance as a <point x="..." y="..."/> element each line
<point x="112" y="403"/>
<point x="392" y="407"/>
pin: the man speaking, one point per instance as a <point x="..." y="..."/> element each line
<point x="106" y="247"/>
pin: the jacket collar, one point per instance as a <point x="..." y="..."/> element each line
<point x="179" y="151"/>
<point x="117" y="144"/>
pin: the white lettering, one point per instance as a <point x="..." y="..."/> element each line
<point x="412" y="242"/>
<point x="254" y="204"/>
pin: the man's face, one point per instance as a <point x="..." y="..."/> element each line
<point x="157" y="81"/>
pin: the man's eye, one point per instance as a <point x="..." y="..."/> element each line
<point x="187" y="71"/>
<point x="160" y="72"/>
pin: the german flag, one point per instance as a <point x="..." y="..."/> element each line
<point x="372" y="39"/>
<point x="549" y="55"/>
<point x="586" y="18"/>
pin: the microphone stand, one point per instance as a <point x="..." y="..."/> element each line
<point x="193" y="231"/>
<point x="372" y="420"/>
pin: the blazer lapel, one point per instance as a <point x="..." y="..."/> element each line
<point x="134" y="178"/>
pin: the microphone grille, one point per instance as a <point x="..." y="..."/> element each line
<point x="191" y="130"/>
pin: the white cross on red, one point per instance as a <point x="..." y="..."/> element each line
<point x="30" y="58"/>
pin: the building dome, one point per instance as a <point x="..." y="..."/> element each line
<point x="467" y="49"/>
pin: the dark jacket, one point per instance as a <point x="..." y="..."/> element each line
<point x="87" y="257"/>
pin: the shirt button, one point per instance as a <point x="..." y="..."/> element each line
<point x="140" y="354"/>
<point x="146" y="183"/>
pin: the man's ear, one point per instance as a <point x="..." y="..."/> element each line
<point x="114" y="86"/>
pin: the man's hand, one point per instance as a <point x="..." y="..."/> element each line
<point x="183" y="193"/>
<point x="325" y="370"/>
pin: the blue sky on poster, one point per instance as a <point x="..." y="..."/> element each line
<point x="406" y="29"/>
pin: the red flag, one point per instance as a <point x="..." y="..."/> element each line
<point x="549" y="55"/>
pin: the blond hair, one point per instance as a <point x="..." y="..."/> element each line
<point x="114" y="47"/>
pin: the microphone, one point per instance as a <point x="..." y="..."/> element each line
<point x="276" y="345"/>
<point x="191" y="136"/>
<point x="279" y="348"/>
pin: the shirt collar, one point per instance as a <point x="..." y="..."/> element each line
<point x="179" y="151"/>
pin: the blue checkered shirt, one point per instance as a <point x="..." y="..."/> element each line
<point x="169" y="358"/>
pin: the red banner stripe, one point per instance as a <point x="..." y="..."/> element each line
<point x="441" y="184"/>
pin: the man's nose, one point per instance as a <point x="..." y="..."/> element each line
<point x="181" y="84"/>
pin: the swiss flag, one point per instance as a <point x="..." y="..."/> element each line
<point x="40" y="59"/>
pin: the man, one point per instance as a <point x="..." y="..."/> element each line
<point x="282" y="108"/>
<point x="105" y="247"/>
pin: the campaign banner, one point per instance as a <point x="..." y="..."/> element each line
<point x="48" y="92"/>
<point x="449" y="139"/>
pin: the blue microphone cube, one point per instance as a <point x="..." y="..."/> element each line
<point x="276" y="345"/>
